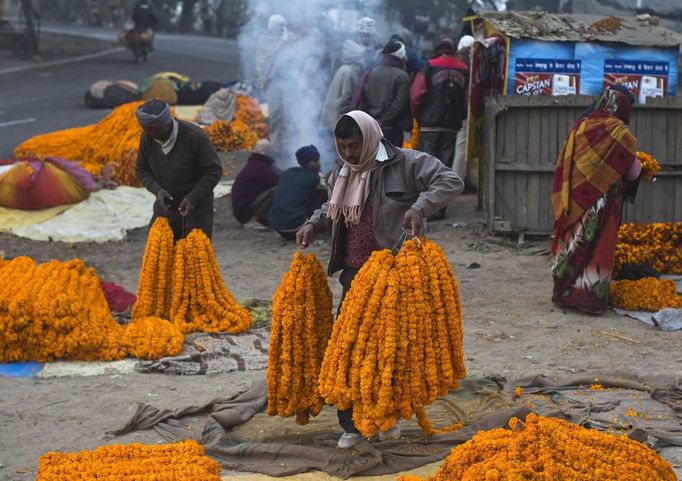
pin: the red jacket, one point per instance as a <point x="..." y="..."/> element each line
<point x="419" y="91"/>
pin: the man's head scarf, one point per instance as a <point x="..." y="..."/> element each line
<point x="276" y="21"/>
<point x="396" y="49"/>
<point x="366" y="25"/>
<point x="465" y="43"/>
<point x="352" y="186"/>
<point x="353" y="52"/>
<point x="154" y="113"/>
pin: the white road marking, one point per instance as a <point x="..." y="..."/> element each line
<point x="17" y="122"/>
<point x="63" y="61"/>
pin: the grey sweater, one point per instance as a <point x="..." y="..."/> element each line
<point x="192" y="169"/>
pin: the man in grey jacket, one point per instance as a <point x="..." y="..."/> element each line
<point x="376" y="191"/>
<point x="385" y="93"/>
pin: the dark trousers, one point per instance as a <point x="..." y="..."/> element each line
<point x="394" y="136"/>
<point x="346" y="417"/>
<point x="319" y="197"/>
<point x="200" y="218"/>
<point x="439" y="144"/>
<point x="262" y="204"/>
<point x="442" y="146"/>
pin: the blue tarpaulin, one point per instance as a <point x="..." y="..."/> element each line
<point x="20" y="369"/>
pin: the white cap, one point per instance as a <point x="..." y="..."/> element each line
<point x="465" y="42"/>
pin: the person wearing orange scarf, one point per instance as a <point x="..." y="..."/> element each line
<point x="376" y="192"/>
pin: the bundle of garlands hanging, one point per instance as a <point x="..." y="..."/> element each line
<point x="549" y="449"/>
<point x="57" y="310"/>
<point x="397" y="343"/>
<point x="650" y="166"/>
<point x="657" y="245"/>
<point x="184" y="461"/>
<point x="114" y="141"/>
<point x="183" y="283"/>
<point x="648" y="294"/>
<point x="301" y="326"/>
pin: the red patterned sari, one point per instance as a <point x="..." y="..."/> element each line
<point x="587" y="199"/>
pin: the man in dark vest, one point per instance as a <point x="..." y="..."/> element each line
<point x="177" y="163"/>
<point x="438" y="101"/>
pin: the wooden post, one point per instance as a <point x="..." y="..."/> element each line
<point x="491" y="110"/>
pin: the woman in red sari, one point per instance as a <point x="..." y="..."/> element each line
<point x="594" y="169"/>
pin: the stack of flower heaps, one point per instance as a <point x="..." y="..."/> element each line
<point x="656" y="245"/>
<point x="647" y="294"/>
<point x="548" y="449"/>
<point x="114" y="141"/>
<point x="301" y="325"/>
<point x="182" y="282"/>
<point x="185" y="461"/>
<point x="245" y="129"/>
<point x="397" y="343"/>
<point x="57" y="310"/>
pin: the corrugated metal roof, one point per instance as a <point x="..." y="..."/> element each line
<point x="581" y="28"/>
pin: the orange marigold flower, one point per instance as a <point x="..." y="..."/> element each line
<point x="650" y="166"/>
<point x="541" y="449"/>
<point x="648" y="294"/>
<point x="185" y="461"/>
<point x="301" y="326"/>
<point x="397" y="343"/>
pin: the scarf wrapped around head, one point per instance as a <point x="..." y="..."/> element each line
<point x="154" y="113"/>
<point x="352" y="186"/>
<point x="616" y="100"/>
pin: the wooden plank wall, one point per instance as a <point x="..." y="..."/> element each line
<point x="529" y="133"/>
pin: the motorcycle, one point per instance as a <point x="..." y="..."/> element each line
<point x="139" y="41"/>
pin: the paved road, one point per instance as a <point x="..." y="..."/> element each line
<point x="50" y="98"/>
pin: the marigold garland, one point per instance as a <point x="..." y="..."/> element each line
<point x="154" y="286"/>
<point x="548" y="449"/>
<point x="185" y="461"/>
<point x="657" y="245"/>
<point x="301" y="326"/>
<point x="153" y="338"/>
<point x="57" y="310"/>
<point x="397" y="343"/>
<point x="650" y="166"/>
<point x="114" y="140"/>
<point x="200" y="300"/>
<point x="648" y="294"/>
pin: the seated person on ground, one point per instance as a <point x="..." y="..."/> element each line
<point x="300" y="193"/>
<point x="254" y="188"/>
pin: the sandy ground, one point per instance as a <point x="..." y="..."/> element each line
<point x="511" y="330"/>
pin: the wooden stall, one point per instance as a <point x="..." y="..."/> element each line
<point x="523" y="136"/>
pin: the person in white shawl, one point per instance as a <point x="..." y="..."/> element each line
<point x="271" y="54"/>
<point x="340" y="93"/>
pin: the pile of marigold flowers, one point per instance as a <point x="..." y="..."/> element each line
<point x="650" y="166"/>
<point x="549" y="449"/>
<point x="301" y="326"/>
<point x="182" y="282"/>
<point x="114" y="141"/>
<point x="245" y="129"/>
<point x="57" y="310"/>
<point x="648" y="294"/>
<point x="397" y="343"/>
<point x="185" y="461"/>
<point x="656" y="245"/>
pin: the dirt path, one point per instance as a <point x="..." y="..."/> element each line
<point x="511" y="329"/>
